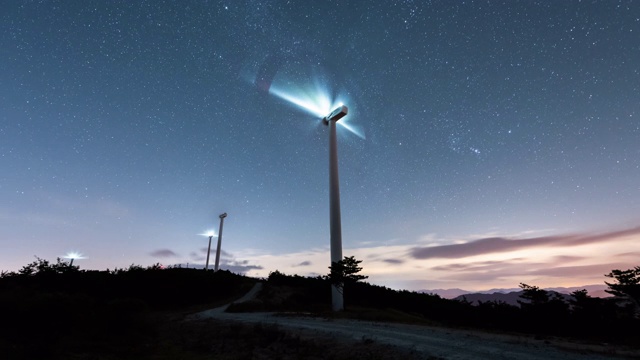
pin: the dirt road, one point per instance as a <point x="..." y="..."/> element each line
<point x="430" y="342"/>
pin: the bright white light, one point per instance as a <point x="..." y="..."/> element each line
<point x="73" y="255"/>
<point x="317" y="103"/>
<point x="209" y="233"/>
<point x="315" y="99"/>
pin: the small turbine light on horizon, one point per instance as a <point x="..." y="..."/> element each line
<point x="209" y="233"/>
<point x="73" y="255"/>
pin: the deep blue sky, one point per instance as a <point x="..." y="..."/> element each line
<point x="126" y="127"/>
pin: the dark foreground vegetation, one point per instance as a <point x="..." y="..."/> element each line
<point x="57" y="311"/>
<point x="54" y="310"/>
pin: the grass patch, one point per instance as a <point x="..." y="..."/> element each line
<point x="207" y="339"/>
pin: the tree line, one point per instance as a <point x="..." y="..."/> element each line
<point x="615" y="319"/>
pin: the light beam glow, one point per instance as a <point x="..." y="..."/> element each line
<point x="73" y="255"/>
<point x="316" y="102"/>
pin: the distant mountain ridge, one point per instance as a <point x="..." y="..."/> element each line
<point x="595" y="290"/>
<point x="509" y="298"/>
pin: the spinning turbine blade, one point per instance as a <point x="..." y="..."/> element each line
<point x="354" y="129"/>
<point x="315" y="104"/>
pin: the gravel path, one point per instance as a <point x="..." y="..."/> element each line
<point x="432" y="342"/>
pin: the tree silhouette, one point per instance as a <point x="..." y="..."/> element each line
<point x="543" y="308"/>
<point x="345" y="272"/>
<point x="533" y="294"/>
<point x="627" y="284"/>
<point x="42" y="266"/>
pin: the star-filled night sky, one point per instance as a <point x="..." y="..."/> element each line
<point x="487" y="142"/>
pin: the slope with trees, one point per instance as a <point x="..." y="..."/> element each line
<point x="47" y="307"/>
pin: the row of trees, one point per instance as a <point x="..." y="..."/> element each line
<point x="539" y="311"/>
<point x="625" y="287"/>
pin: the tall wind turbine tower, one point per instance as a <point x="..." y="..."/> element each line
<point x="335" y="222"/>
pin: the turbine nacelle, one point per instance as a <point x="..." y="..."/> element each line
<point x="337" y="114"/>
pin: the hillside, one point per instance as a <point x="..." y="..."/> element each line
<point x="54" y="310"/>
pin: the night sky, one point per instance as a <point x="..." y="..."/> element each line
<point x="487" y="142"/>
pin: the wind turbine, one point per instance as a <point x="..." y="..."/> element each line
<point x="210" y="234"/>
<point x="222" y="216"/>
<point x="316" y="100"/>
<point x="335" y="221"/>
